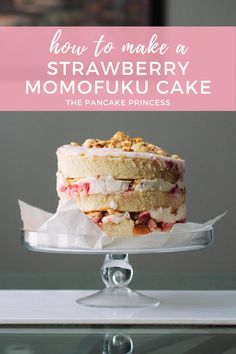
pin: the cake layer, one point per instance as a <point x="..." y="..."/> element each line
<point x="131" y="201"/>
<point x="80" y="162"/>
<point x="124" y="228"/>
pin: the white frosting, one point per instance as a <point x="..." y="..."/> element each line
<point x="108" y="184"/>
<point x="156" y="184"/>
<point x="165" y="215"/>
<point x="60" y="181"/>
<point x="116" y="218"/>
<point x="100" y="185"/>
<point x="82" y="150"/>
<point x="105" y="185"/>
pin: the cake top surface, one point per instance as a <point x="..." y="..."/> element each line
<point x="122" y="142"/>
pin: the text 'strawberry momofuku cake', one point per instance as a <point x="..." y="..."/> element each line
<point x="125" y="185"/>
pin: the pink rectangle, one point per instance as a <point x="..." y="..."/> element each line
<point x="117" y="68"/>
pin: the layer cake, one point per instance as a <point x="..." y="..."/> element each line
<point x="125" y="185"/>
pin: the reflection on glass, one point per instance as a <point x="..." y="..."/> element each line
<point x="19" y="349"/>
<point x="117" y="344"/>
<point x="125" y="340"/>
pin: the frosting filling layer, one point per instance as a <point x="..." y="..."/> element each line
<point x="147" y="221"/>
<point x="108" y="184"/>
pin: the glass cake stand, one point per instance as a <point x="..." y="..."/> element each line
<point x="116" y="271"/>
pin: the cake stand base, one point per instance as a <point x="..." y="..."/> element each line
<point x="116" y="274"/>
<point x="118" y="297"/>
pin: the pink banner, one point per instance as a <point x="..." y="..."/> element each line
<point x="117" y="68"/>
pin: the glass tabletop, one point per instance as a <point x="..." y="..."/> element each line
<point x="122" y="340"/>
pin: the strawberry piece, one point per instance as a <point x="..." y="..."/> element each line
<point x="86" y="187"/>
<point x="144" y="217"/>
<point x="97" y="220"/>
<point x="165" y="226"/>
<point x="80" y="187"/>
<point x="175" y="190"/>
<point x="152" y="225"/>
<point x="74" y="188"/>
<point x="62" y="189"/>
<point x="169" y="164"/>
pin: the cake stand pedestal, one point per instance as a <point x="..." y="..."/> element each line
<point x="116" y="274"/>
<point x="116" y="271"/>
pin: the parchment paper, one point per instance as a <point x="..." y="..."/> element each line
<point x="70" y="227"/>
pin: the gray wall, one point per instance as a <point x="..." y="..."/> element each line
<point x="201" y="12"/>
<point x="28" y="166"/>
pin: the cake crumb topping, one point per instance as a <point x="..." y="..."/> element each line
<point x="122" y="141"/>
